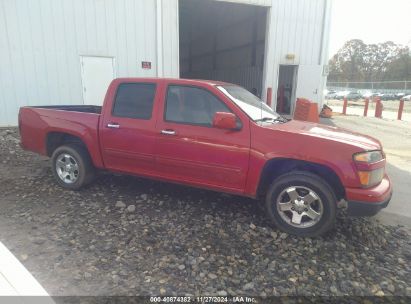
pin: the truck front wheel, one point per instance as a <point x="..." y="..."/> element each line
<point x="301" y="203"/>
<point x="72" y="166"/>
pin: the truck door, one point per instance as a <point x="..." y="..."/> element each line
<point x="127" y="131"/>
<point x="190" y="149"/>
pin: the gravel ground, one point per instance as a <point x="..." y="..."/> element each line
<point x="129" y="236"/>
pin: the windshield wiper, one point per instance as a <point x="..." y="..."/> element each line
<point x="264" y="119"/>
<point x="271" y="119"/>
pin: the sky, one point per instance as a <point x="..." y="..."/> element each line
<point x="372" y="21"/>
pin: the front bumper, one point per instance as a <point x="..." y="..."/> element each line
<point x="366" y="209"/>
<point x="368" y="202"/>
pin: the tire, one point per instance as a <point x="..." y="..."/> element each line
<point x="314" y="205"/>
<point x="73" y="162"/>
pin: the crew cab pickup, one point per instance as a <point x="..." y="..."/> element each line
<point x="218" y="136"/>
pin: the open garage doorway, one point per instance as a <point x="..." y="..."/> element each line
<point x="287" y="83"/>
<point x="223" y="41"/>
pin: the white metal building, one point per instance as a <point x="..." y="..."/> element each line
<point x="67" y="51"/>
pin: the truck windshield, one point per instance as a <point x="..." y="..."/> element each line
<point x="254" y="107"/>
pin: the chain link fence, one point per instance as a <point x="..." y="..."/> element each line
<point x="384" y="87"/>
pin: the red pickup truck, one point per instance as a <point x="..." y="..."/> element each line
<point x="217" y="136"/>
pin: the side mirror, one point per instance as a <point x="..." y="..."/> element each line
<point x="225" y="120"/>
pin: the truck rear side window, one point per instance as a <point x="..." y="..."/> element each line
<point x="134" y="100"/>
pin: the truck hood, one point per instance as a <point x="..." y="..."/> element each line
<point x="336" y="134"/>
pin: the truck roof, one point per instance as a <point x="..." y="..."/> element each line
<point x="179" y="80"/>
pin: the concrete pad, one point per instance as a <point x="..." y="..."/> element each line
<point x="17" y="285"/>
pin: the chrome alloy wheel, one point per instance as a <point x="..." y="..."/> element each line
<point x="67" y="168"/>
<point x="300" y="206"/>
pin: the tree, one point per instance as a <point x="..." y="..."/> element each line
<point x="346" y="64"/>
<point x="357" y="61"/>
<point x="400" y="68"/>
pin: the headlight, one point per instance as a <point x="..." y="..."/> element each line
<point x="369" y="178"/>
<point x="369" y="157"/>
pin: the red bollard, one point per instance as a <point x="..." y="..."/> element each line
<point x="269" y="96"/>
<point x="367" y="101"/>
<point x="400" y="109"/>
<point x="378" y="108"/>
<point x="345" y="106"/>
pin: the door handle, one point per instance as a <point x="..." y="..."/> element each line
<point x="113" y="125"/>
<point x="168" y="132"/>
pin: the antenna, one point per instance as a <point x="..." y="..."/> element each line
<point x="261" y="108"/>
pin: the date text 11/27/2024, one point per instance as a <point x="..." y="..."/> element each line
<point x="205" y="299"/>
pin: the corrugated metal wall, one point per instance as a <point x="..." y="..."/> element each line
<point x="297" y="27"/>
<point x="41" y="42"/>
<point x="169" y="36"/>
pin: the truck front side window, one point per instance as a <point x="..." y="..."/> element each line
<point x="191" y="105"/>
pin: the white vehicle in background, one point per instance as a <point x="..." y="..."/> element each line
<point x="341" y="94"/>
<point x="353" y="96"/>
<point x="330" y="94"/>
<point x="407" y="97"/>
<point x="370" y="94"/>
<point x="367" y="94"/>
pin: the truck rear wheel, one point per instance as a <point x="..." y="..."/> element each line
<point x="301" y="203"/>
<point x="72" y="166"/>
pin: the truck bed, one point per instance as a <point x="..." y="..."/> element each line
<point x="39" y="124"/>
